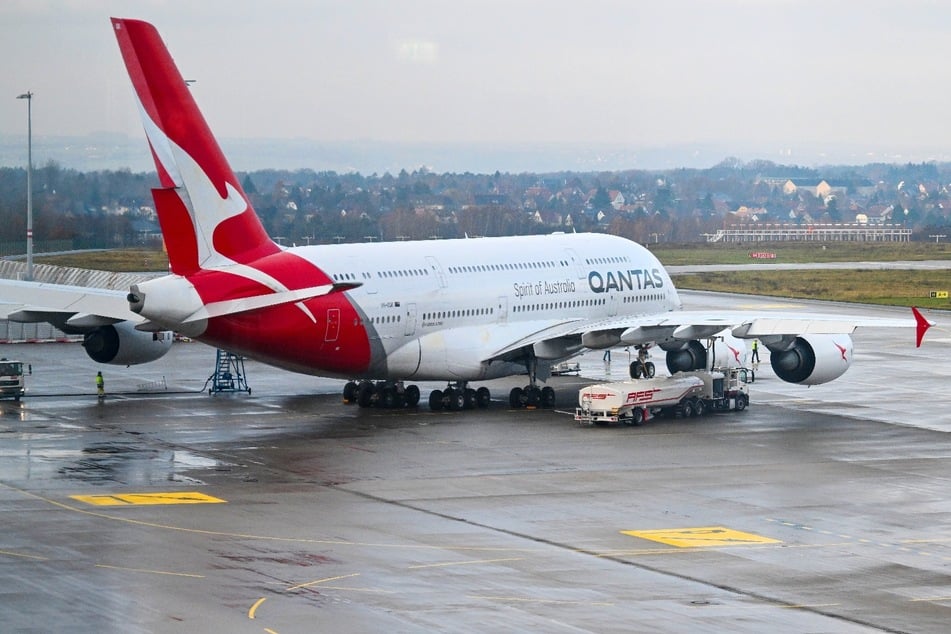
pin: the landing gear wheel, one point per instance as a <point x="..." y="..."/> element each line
<point x="350" y="392"/>
<point x="388" y="398"/>
<point x="548" y="397"/>
<point x="533" y="396"/>
<point x="456" y="398"/>
<point x="649" y="370"/>
<point x="411" y="396"/>
<point x="483" y="397"/>
<point x="635" y="370"/>
<point x="435" y="400"/>
<point x="470" y="398"/>
<point x="517" y="397"/>
<point x="365" y="394"/>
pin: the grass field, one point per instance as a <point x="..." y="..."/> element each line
<point x="800" y="252"/>
<point x="896" y="288"/>
<point x="891" y="288"/>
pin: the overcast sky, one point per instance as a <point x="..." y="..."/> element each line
<point x="869" y="74"/>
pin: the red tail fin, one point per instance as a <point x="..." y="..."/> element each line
<point x="206" y="218"/>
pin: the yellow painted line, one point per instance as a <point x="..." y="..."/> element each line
<point x="702" y="536"/>
<point x="154" y="572"/>
<point x="143" y="499"/>
<point x="254" y="608"/>
<point x="532" y="600"/>
<point x="8" y="553"/>
<point x="130" y="521"/>
<point x="797" y="606"/>
<point x="465" y="563"/>
<point x="314" y="583"/>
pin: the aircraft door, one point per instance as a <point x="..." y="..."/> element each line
<point x="410" y="316"/>
<point x="436" y="270"/>
<point x="572" y="256"/>
<point x="333" y="325"/>
<point x="502" y="315"/>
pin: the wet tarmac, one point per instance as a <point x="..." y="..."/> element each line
<point x="165" y="509"/>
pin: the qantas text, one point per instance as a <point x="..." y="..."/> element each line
<point x="630" y="280"/>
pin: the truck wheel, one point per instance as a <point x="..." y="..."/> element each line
<point x="636" y="418"/>
<point x="686" y="408"/>
<point x="741" y="402"/>
<point x="699" y="407"/>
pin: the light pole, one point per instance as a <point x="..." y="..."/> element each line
<point x="28" y="95"/>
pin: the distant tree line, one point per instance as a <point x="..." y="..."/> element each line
<point x="114" y="208"/>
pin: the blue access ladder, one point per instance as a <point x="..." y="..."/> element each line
<point x="229" y="374"/>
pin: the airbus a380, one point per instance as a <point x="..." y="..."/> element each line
<point x="385" y="314"/>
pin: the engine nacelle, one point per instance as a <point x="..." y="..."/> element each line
<point x="122" y="344"/>
<point x="687" y="356"/>
<point x="812" y="359"/>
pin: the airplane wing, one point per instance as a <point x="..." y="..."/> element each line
<point x="744" y="324"/>
<point x="73" y="306"/>
<point x="688" y="325"/>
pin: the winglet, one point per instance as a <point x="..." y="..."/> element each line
<point x="922" y="326"/>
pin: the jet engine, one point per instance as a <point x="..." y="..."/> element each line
<point x="811" y="359"/>
<point x="688" y="355"/>
<point x="122" y="344"/>
<point x="728" y="352"/>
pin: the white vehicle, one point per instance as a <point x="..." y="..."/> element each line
<point x="12" y="383"/>
<point x="684" y="394"/>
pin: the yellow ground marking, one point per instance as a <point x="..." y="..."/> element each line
<point x="8" y="553"/>
<point x="254" y="608"/>
<point x="465" y="563"/>
<point x="142" y="499"/>
<point x="154" y="572"/>
<point x="314" y="583"/>
<point x="533" y="600"/>
<point x="702" y="536"/>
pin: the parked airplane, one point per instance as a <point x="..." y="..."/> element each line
<point x="384" y="314"/>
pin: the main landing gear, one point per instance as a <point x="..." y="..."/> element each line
<point x="386" y="394"/>
<point x="532" y="396"/>
<point x="458" y="397"/>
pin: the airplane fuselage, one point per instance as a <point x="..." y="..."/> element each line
<point x="437" y="309"/>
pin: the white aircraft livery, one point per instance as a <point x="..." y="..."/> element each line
<point x="382" y="315"/>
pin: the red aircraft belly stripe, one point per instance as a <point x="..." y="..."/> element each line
<point x="285" y="335"/>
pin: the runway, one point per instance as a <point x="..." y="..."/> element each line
<point x="164" y="509"/>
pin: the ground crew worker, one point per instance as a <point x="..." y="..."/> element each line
<point x="756" y="351"/>
<point x="100" y="385"/>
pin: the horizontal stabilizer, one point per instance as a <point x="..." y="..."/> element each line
<point x="245" y="304"/>
<point x="35" y="316"/>
<point x="85" y="320"/>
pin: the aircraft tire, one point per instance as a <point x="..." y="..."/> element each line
<point x="435" y="400"/>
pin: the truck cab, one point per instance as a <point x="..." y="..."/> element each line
<point x="12" y="383"/>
